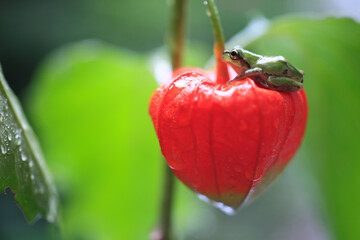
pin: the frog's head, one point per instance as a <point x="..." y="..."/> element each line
<point x="238" y="57"/>
<point x="234" y="57"/>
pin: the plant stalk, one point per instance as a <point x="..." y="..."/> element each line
<point x="177" y="35"/>
<point x="164" y="231"/>
<point x="176" y="44"/>
<point x="222" y="74"/>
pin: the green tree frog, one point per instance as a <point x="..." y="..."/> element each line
<point x="274" y="73"/>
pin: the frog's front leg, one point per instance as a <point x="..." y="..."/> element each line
<point x="253" y="72"/>
<point x="285" y="84"/>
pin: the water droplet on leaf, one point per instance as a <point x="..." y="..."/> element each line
<point x="23" y="156"/>
<point x="3" y="149"/>
<point x="18" y="141"/>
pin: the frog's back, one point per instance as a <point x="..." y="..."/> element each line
<point x="277" y="66"/>
<point x="249" y="57"/>
<point x="272" y="64"/>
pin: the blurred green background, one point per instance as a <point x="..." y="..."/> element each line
<point x="84" y="73"/>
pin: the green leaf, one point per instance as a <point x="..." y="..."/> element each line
<point x="89" y="102"/>
<point x="328" y="50"/>
<point x="22" y="166"/>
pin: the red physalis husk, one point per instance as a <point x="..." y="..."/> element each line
<point x="226" y="141"/>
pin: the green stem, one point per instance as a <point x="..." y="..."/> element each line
<point x="222" y="75"/>
<point x="176" y="42"/>
<point x="177" y="33"/>
<point x="167" y="202"/>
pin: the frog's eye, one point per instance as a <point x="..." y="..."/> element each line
<point x="234" y="54"/>
<point x="286" y="71"/>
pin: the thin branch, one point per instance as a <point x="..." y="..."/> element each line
<point x="176" y="43"/>
<point x="222" y="74"/>
<point x="177" y="35"/>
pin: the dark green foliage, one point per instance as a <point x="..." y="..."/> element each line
<point x="22" y="167"/>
